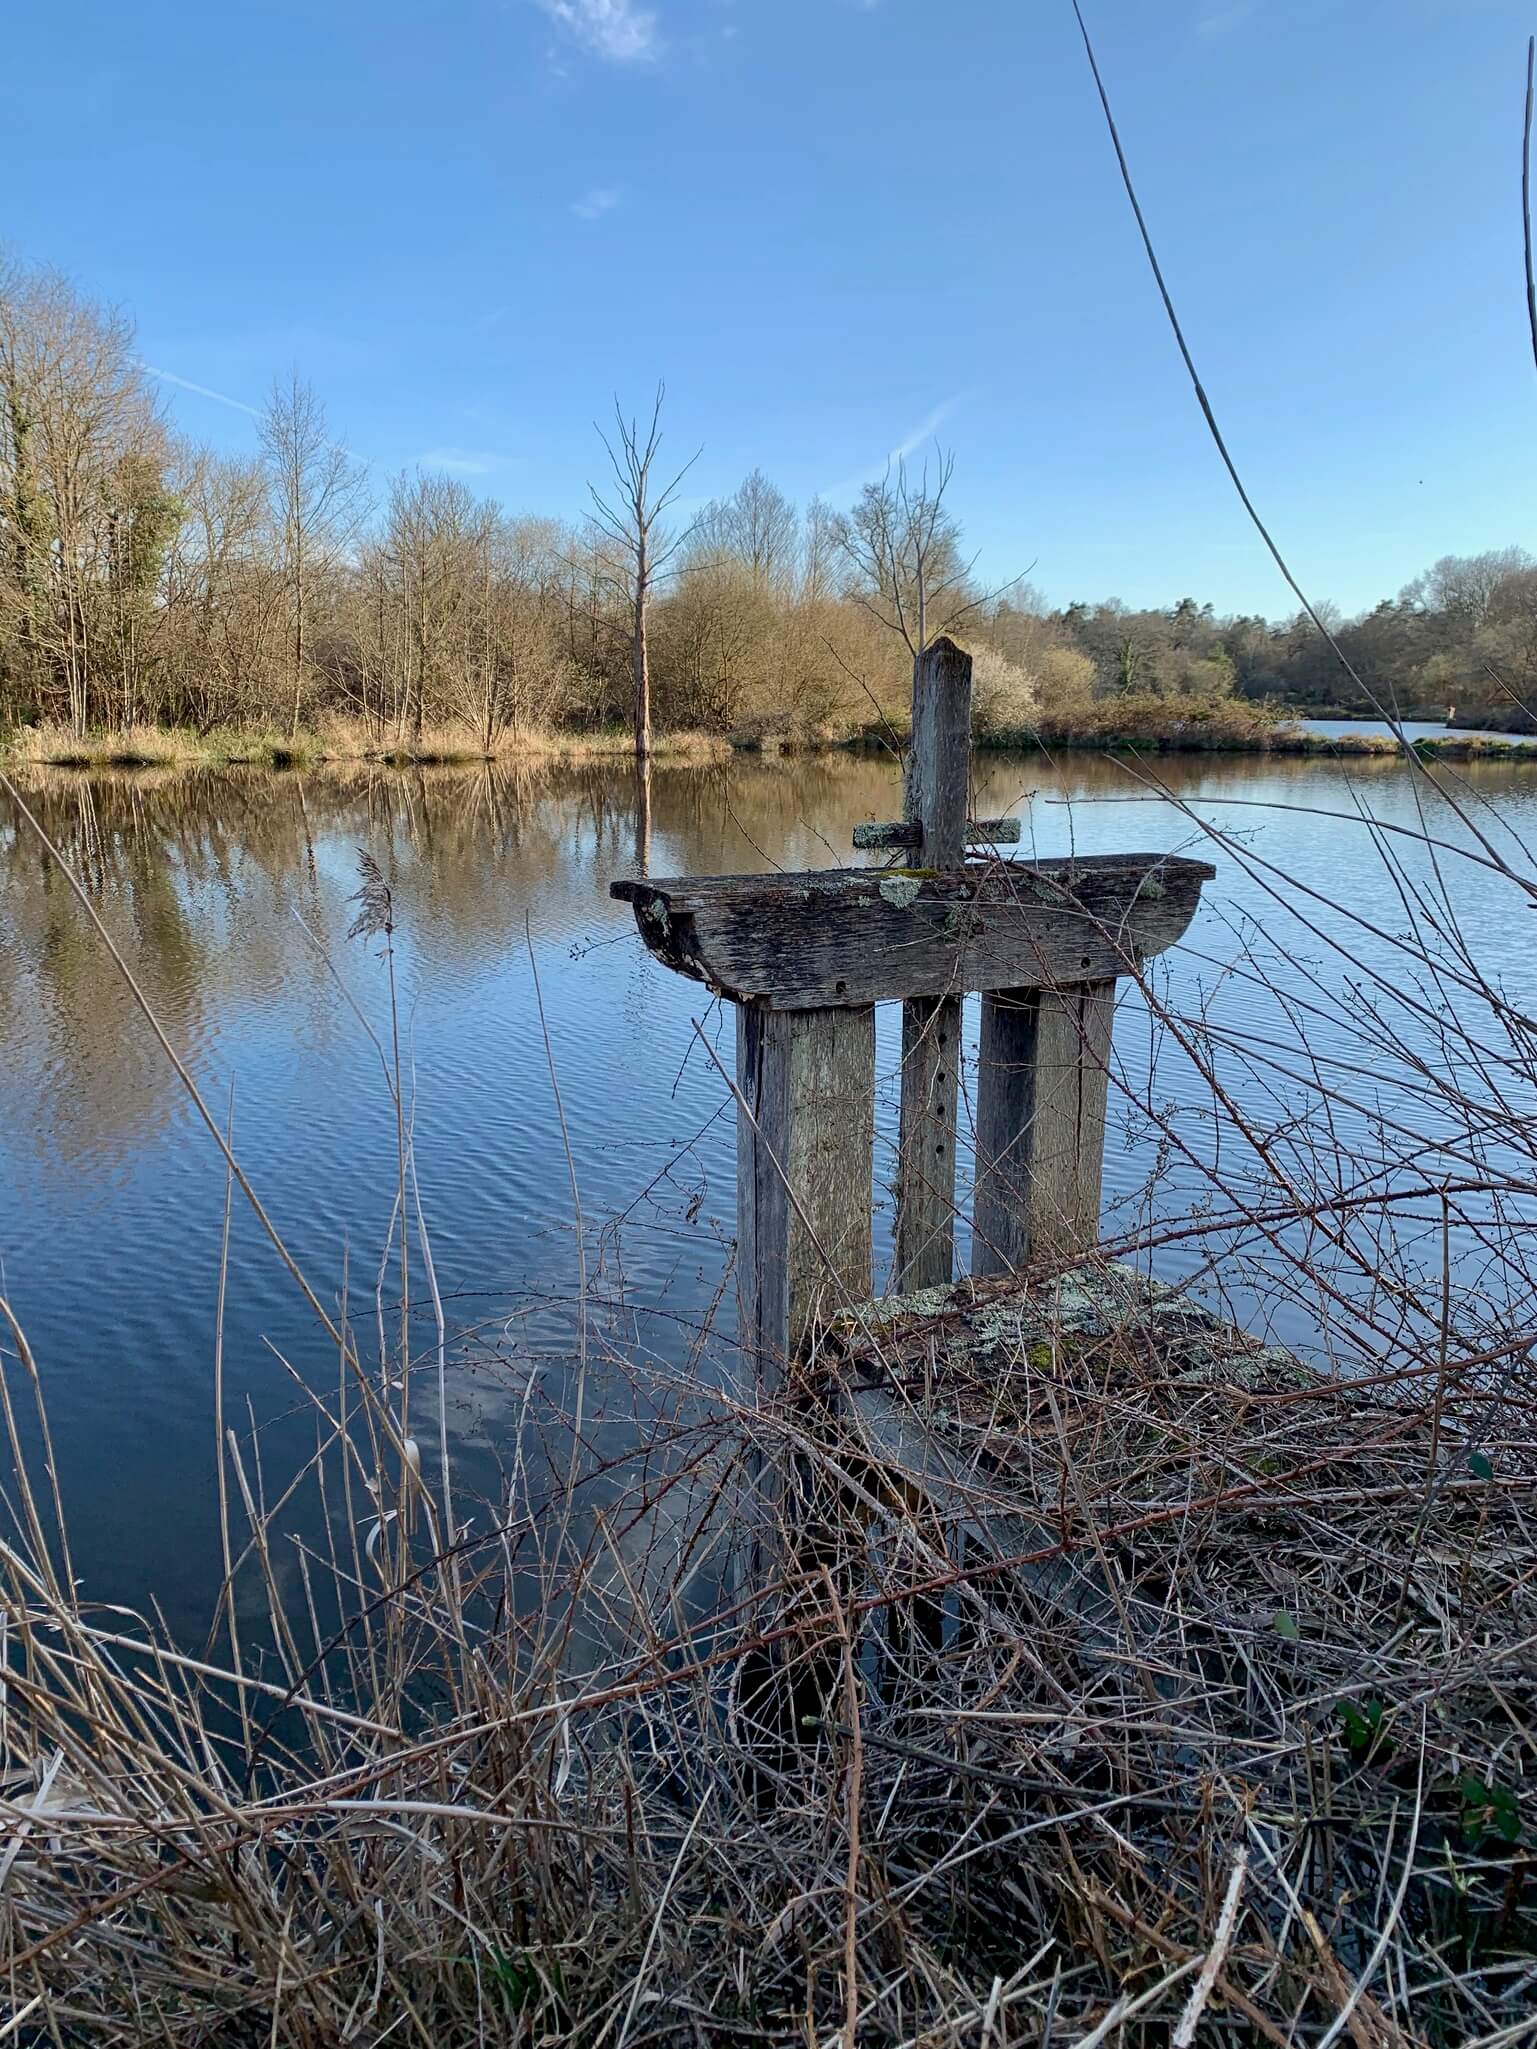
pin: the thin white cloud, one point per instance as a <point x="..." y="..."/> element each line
<point x="463" y="462"/>
<point x="203" y="390"/>
<point x="617" y="30"/>
<point x="238" y="405"/>
<point x="926" y="428"/>
<point x="592" y="205"/>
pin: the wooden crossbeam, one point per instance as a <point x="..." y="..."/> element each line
<point x="831" y="938"/>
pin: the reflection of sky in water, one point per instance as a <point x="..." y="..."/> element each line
<point x="111" y="1196"/>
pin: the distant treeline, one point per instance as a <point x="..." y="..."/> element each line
<point x="148" y="581"/>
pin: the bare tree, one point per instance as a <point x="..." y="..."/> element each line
<point x="221" y="597"/>
<point x="632" y="517"/>
<point x="317" y="495"/>
<point x="756" y="525"/>
<point x="820" y="550"/>
<point x="84" y="518"/>
<point x="904" y="549"/>
<point x="1465" y="587"/>
<point x="437" y="545"/>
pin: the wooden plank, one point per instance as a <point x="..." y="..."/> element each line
<point x="925" y="1232"/>
<point x="894" y="837"/>
<point x="808" y="1079"/>
<point x="1043" y="1075"/>
<point x="847" y="937"/>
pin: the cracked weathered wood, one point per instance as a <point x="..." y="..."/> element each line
<point x="936" y="784"/>
<point x="808" y="1082"/>
<point x="1042" y="1079"/>
<point x="844" y="937"/>
<point x="925" y="1227"/>
<point x="936" y="778"/>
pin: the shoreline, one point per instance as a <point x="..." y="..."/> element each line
<point x="30" y="748"/>
<point x="1284" y="740"/>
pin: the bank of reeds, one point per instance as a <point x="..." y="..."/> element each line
<point x="335" y="741"/>
<point x="1134" y="726"/>
<point x="1224" y="1717"/>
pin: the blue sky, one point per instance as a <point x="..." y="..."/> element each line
<point x="837" y="228"/>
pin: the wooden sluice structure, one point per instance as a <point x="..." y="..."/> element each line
<point x="805" y="958"/>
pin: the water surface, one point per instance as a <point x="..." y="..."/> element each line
<point x="229" y="897"/>
<point x="1412" y="729"/>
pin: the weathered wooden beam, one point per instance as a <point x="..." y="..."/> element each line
<point x="936" y="783"/>
<point x="807" y="1080"/>
<point x="895" y="836"/>
<point x="925" y="1228"/>
<point x="937" y="774"/>
<point x="845" y="937"/>
<point x="1042" y="1081"/>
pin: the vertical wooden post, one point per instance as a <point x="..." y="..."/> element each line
<point x="938" y="770"/>
<point x="805" y="1128"/>
<point x="808" y="1079"/>
<point x="1043" y="1077"/>
<point x="935" y="800"/>
<point x="925" y="1233"/>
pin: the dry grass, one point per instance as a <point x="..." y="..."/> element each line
<point x="55" y="746"/>
<point x="1271" y="1632"/>
<point x="355" y="740"/>
<point x="336" y="740"/>
<point x="1194" y="1673"/>
<point x="147" y="747"/>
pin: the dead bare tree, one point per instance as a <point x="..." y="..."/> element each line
<point x="633" y="519"/>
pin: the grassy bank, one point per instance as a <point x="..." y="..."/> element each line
<point x="181" y="747"/>
<point x="1280" y="741"/>
<point x="1112" y="727"/>
<point x="1224" y="735"/>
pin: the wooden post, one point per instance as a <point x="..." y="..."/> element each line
<point x="934" y="801"/>
<point x="808" y="1080"/>
<point x="938" y="771"/>
<point x="925" y="1231"/>
<point x="806" y="1124"/>
<point x="1041" y="1095"/>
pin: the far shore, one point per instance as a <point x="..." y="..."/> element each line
<point x="141" y="747"/>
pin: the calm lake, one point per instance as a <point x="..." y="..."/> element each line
<point x="229" y="896"/>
